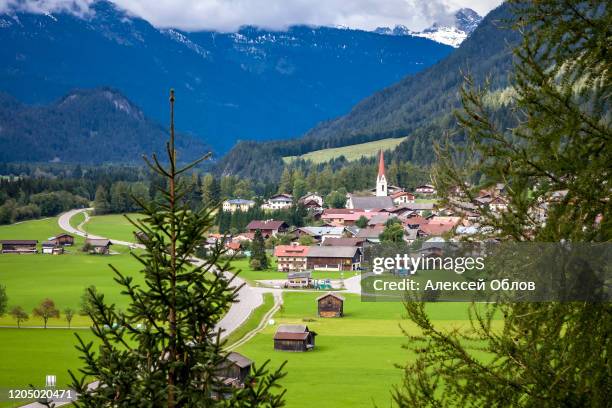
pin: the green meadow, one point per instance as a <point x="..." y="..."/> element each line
<point x="354" y="360"/>
<point x="114" y="226"/>
<point x="28" y="355"/>
<point x="353" y="152"/>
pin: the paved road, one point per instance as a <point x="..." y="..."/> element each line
<point x="248" y="298"/>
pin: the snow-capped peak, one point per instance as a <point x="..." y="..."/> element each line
<point x="466" y="21"/>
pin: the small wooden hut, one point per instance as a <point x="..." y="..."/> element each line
<point x="235" y="369"/>
<point x="99" y="246"/>
<point x="63" y="239"/>
<point x="52" y="248"/>
<point x="330" y="305"/>
<point x="293" y="337"/>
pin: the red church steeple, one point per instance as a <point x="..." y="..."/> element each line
<point x="381" y="164"/>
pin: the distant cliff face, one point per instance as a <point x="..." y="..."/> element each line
<point x="253" y="84"/>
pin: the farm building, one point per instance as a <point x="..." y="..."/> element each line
<point x="330" y="305"/>
<point x="334" y="258"/>
<point x="52" y="248"/>
<point x="19" y="246"/>
<point x="298" y="280"/>
<point x="234" y="370"/>
<point x="268" y="227"/>
<point x="293" y="337"/>
<point x="62" y="239"/>
<point x="99" y="246"/>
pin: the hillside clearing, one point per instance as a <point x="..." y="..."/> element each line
<point x="351" y="153"/>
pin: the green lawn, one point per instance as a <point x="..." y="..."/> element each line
<point x="353" y="361"/>
<point x="28" y="355"/>
<point x="114" y="226"/>
<point x="354" y="152"/>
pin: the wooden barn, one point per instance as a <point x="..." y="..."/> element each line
<point x="19" y="246"/>
<point x="294" y="337"/>
<point x="235" y="370"/>
<point x="99" y="246"/>
<point x="330" y="305"/>
<point x="63" y="239"/>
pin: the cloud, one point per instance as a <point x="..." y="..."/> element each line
<point x="229" y="15"/>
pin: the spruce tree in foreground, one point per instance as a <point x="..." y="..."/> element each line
<point x="164" y="349"/>
<point x="547" y="354"/>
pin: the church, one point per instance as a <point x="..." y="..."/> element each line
<point x="381" y="193"/>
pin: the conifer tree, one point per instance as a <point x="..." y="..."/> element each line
<point x="546" y="354"/>
<point x="101" y="201"/>
<point x="164" y="349"/>
<point x="259" y="260"/>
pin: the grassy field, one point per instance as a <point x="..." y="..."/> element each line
<point x="354" y="152"/>
<point x="77" y="220"/>
<point x="29" y="355"/>
<point x="353" y="363"/>
<point x="112" y="226"/>
<point x="31" y="278"/>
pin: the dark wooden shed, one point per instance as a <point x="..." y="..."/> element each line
<point x="63" y="239"/>
<point x="330" y="305"/>
<point x="235" y="369"/>
<point x="293" y="337"/>
<point x="19" y="246"/>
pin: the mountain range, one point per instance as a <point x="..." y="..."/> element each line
<point x="465" y="22"/>
<point x="252" y="84"/>
<point x="85" y="126"/>
<point x="418" y="108"/>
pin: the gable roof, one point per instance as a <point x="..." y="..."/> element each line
<point x="265" y="225"/>
<point x="369" y="203"/>
<point x="98" y="242"/>
<point x="290" y="250"/>
<point x="353" y="241"/>
<point x="330" y="294"/>
<point x="332" y="251"/>
<point x="238" y="359"/>
<point x="19" y="241"/>
<point x="240" y="201"/>
<point x="370" y="232"/>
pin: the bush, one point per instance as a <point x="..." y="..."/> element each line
<point x="255" y="264"/>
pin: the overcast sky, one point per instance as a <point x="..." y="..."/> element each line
<point x="228" y="15"/>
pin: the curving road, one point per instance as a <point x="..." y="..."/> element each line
<point x="248" y="298"/>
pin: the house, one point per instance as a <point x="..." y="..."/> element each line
<point x="410" y="235"/>
<point x="63" y="239"/>
<point x="417" y="208"/>
<point x="291" y="257"/>
<point x="320" y="233"/>
<point x="19" y="246"/>
<point x="278" y="202"/>
<point x="234" y="370"/>
<point x="346" y="217"/>
<point x="293" y="337"/>
<point x="415" y="221"/>
<point x="330" y="305"/>
<point x="244" y="236"/>
<point x="379" y="220"/>
<point x="334" y="258"/>
<point x="237" y="204"/>
<point x="99" y="246"/>
<point x="425" y="189"/>
<point x="268" y="227"/>
<point x="352" y="241"/>
<point x="498" y="204"/>
<point x="435" y="229"/>
<point x="402" y="197"/>
<point x="299" y="279"/>
<point x="369" y="203"/>
<point x="312" y="201"/>
<point x="232" y="247"/>
<point x="52" y="248"/>
<point x="370" y="234"/>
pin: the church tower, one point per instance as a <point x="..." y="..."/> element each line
<point x="381" y="180"/>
